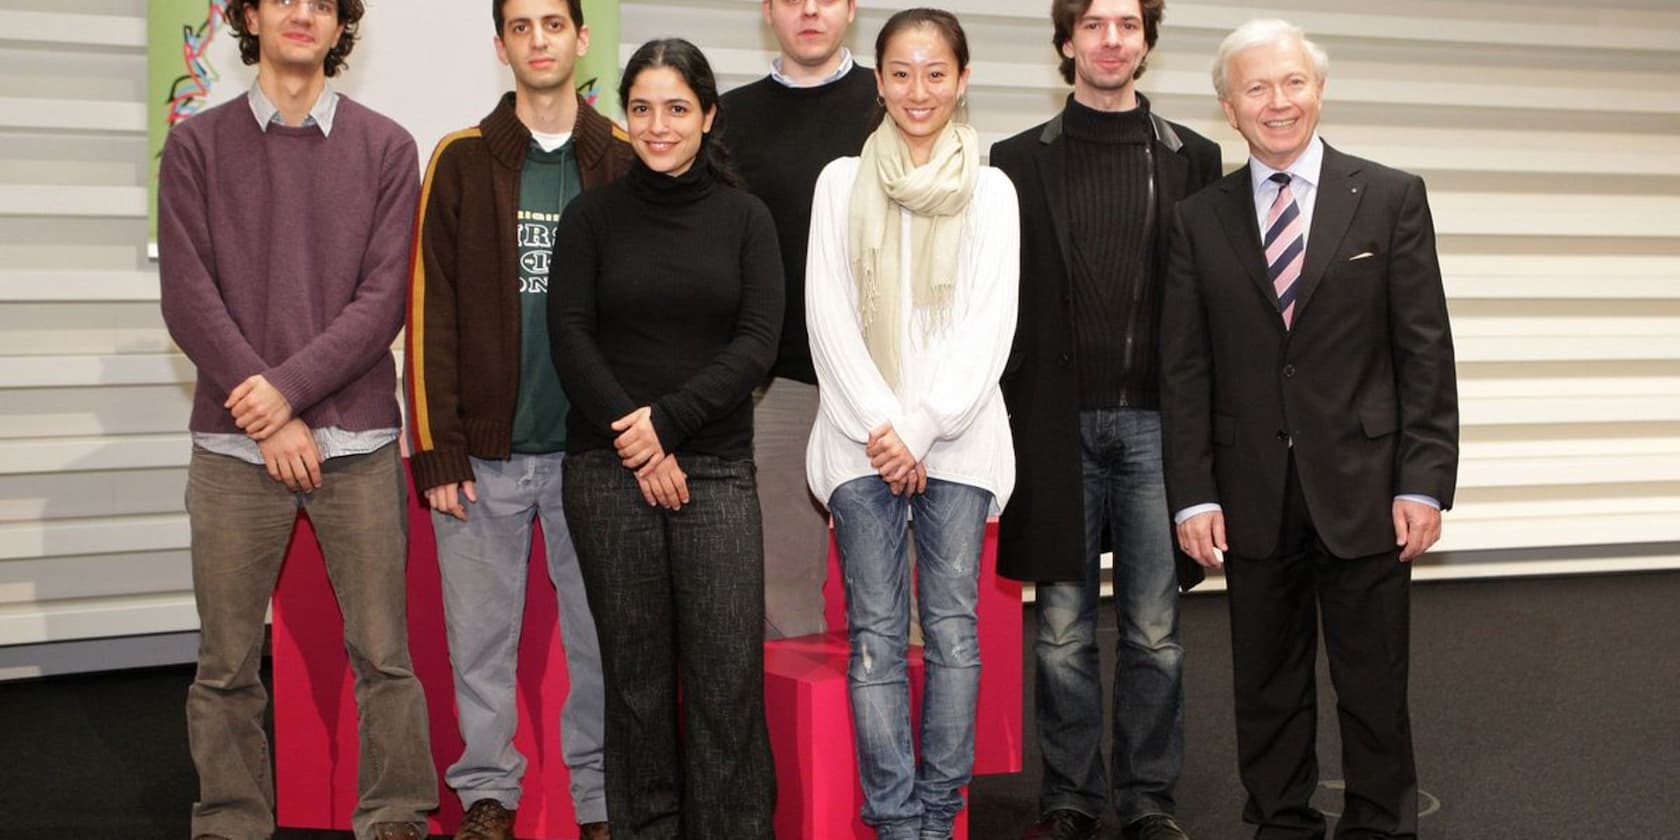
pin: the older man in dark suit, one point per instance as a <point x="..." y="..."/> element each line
<point x="1311" y="428"/>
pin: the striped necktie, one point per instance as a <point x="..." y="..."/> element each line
<point x="1285" y="245"/>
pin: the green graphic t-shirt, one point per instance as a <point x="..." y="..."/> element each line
<point x="547" y="183"/>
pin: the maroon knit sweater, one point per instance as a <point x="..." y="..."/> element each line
<point x="285" y="253"/>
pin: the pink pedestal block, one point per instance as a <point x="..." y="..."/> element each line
<point x="315" y="707"/>
<point x="805" y="695"/>
<point x="998" y="734"/>
<point x="818" y="793"/>
<point x="818" y="796"/>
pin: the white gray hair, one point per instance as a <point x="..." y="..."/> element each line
<point x="1259" y="32"/>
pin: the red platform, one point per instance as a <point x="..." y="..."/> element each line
<point x="805" y="699"/>
<point x="819" y="796"/>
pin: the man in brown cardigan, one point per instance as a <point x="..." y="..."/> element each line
<point x="487" y="412"/>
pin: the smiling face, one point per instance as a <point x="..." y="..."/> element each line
<point x="294" y="35"/>
<point x="920" y="82"/>
<point x="666" y="123"/>
<point x="809" y="32"/>
<point x="1107" y="47"/>
<point x="541" y="43"/>
<point x="1273" y="95"/>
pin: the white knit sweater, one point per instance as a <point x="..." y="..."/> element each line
<point x="948" y="408"/>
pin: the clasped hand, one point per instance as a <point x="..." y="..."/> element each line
<point x="895" y="463"/>
<point x="291" y="457"/>
<point x="258" y="408"/>
<point x="663" y="482"/>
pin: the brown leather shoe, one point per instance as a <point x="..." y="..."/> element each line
<point x="399" y="831"/>
<point x="486" y="820"/>
<point x="594" y="831"/>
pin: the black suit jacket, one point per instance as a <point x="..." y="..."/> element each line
<point x="1042" y="532"/>
<point x="1362" y="387"/>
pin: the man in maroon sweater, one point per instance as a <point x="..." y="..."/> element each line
<point x="284" y="227"/>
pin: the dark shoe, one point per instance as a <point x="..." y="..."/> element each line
<point x="1154" y="827"/>
<point x="209" y="837"/>
<point x="399" y="831"/>
<point x="594" y="831"/>
<point x="486" y="820"/>
<point x="1064" y="824"/>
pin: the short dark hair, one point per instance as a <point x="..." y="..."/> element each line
<point x="349" y="15"/>
<point x="1065" y="14"/>
<point x="690" y="63"/>
<point x="573" y="7"/>
<point x="941" y="20"/>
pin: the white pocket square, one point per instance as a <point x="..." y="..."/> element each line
<point x="1361" y="255"/>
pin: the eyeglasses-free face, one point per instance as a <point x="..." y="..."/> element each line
<point x="541" y="44"/>
<point x="920" y="83"/>
<point x="665" y="120"/>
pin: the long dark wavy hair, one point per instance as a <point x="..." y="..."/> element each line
<point x="691" y="64"/>
<point x="349" y="13"/>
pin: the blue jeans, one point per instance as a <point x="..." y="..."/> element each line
<point x="902" y="800"/>
<point x="1124" y="490"/>
<point x="484" y="563"/>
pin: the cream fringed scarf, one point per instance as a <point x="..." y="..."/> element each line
<point x="936" y="194"/>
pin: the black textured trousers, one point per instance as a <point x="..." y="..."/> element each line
<point x="678" y="600"/>
<point x="1276" y="603"/>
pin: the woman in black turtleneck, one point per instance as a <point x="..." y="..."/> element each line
<point x="665" y="312"/>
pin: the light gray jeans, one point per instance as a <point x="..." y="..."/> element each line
<point x="241" y="524"/>
<point x="795" y="525"/>
<point x="484" y="563"/>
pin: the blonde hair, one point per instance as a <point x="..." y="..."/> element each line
<point x="1259" y="32"/>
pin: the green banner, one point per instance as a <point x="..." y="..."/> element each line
<point x="179" y="71"/>
<point x="597" y="72"/>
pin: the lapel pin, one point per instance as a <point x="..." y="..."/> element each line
<point x="1353" y="189"/>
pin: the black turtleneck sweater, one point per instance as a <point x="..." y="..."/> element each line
<point x="1116" y="304"/>
<point x="779" y="139"/>
<point x="665" y="292"/>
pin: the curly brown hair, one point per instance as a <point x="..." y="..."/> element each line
<point x="349" y="15"/>
<point x="1065" y="15"/>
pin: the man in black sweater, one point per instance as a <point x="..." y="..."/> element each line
<point x="1095" y="184"/>
<point x="816" y="105"/>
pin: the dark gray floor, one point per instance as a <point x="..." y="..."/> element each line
<point x="1544" y="710"/>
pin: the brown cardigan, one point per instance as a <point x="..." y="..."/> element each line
<point x="463" y="336"/>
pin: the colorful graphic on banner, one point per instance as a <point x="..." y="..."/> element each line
<point x="188" y="91"/>
<point x="180" y="73"/>
<point x="193" y="63"/>
<point x="597" y="72"/>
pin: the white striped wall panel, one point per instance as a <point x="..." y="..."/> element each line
<point x="1555" y="187"/>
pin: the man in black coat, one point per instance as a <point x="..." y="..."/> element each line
<point x="1097" y="184"/>
<point x="1312" y="432"/>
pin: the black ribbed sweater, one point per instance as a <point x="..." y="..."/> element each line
<point x="665" y="292"/>
<point x="779" y="140"/>
<point x="1116" y="304"/>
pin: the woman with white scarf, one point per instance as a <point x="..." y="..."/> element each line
<point x="911" y="299"/>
